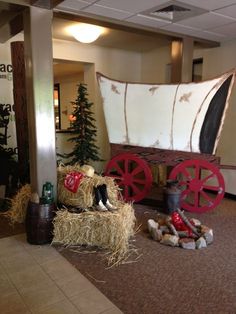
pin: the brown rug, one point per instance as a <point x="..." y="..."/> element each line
<point x="170" y="280"/>
<point x="165" y="279"/>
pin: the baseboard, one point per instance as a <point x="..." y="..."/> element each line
<point x="230" y="196"/>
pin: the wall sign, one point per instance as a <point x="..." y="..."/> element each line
<point x="7" y="112"/>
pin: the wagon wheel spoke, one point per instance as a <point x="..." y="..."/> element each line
<point x="207" y="178"/>
<point x="118" y="169"/>
<point x="211" y="187"/>
<point x="135" y="189"/>
<point x="137" y="170"/>
<point x="186" y="173"/>
<point x="127" y="166"/>
<point x="140" y="181"/>
<point x="196" y="198"/>
<point x="182" y="183"/>
<point x="206" y="197"/>
<point x="185" y="193"/>
<point x="197" y="171"/>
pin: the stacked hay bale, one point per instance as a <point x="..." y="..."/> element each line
<point x="84" y="197"/>
<point x="110" y="230"/>
<point x="19" y="203"/>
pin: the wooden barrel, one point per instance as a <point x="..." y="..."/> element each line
<point x="39" y="223"/>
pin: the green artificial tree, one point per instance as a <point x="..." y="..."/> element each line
<point x="83" y="130"/>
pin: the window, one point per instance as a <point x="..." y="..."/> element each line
<point x="197" y="70"/>
<point x="56" y="97"/>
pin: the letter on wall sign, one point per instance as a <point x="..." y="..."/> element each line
<point x="7" y="114"/>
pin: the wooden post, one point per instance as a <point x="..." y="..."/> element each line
<point x="187" y="60"/>
<point x="20" y="105"/>
<point x="176" y="61"/>
<point x="182" y="59"/>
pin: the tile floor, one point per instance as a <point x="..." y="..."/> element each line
<point x="37" y="279"/>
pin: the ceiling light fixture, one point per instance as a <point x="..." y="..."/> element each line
<point x="86" y="33"/>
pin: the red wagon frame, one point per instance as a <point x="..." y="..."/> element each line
<point x="129" y="167"/>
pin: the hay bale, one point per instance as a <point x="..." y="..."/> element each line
<point x="108" y="230"/>
<point x="19" y="203"/>
<point x="84" y="197"/>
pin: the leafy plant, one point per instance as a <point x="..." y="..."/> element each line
<point x="7" y="155"/>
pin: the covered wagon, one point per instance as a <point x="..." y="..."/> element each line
<point x="172" y="124"/>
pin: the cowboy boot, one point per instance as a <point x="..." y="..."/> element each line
<point x="98" y="200"/>
<point x="103" y="191"/>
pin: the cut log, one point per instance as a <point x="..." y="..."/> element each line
<point x="188" y="223"/>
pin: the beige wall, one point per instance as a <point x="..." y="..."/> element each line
<point x="154" y="65"/>
<point x="63" y="146"/>
<point x="118" y="64"/>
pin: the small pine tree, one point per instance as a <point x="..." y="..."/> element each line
<point x="83" y="130"/>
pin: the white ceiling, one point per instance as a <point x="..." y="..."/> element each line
<point x="64" y="69"/>
<point x="216" y="22"/>
<point x="113" y="38"/>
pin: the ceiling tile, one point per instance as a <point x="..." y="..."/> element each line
<point x="108" y="12"/>
<point x="228" y="11"/>
<point x="209" y="4"/>
<point x="207" y="21"/>
<point x="147" y="21"/>
<point x="134" y="6"/>
<point x="217" y="25"/>
<point x="194" y="32"/>
<point x="92" y="1"/>
<point x="174" y="27"/>
<point x="227" y="30"/>
<point x="72" y="5"/>
<point x="211" y="36"/>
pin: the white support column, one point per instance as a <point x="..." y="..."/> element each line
<point x="39" y="85"/>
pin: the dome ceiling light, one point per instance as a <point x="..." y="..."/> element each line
<point x="86" y="33"/>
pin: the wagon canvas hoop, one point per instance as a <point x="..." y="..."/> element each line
<point x="167" y="124"/>
<point x="164" y="116"/>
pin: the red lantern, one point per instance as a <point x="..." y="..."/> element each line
<point x="179" y="224"/>
<point x="73" y="180"/>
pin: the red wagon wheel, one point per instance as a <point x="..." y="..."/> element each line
<point x="197" y="178"/>
<point x="132" y="174"/>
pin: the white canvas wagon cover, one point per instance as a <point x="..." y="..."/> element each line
<point x="186" y="116"/>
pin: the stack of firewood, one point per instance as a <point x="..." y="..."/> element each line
<point x="177" y="230"/>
